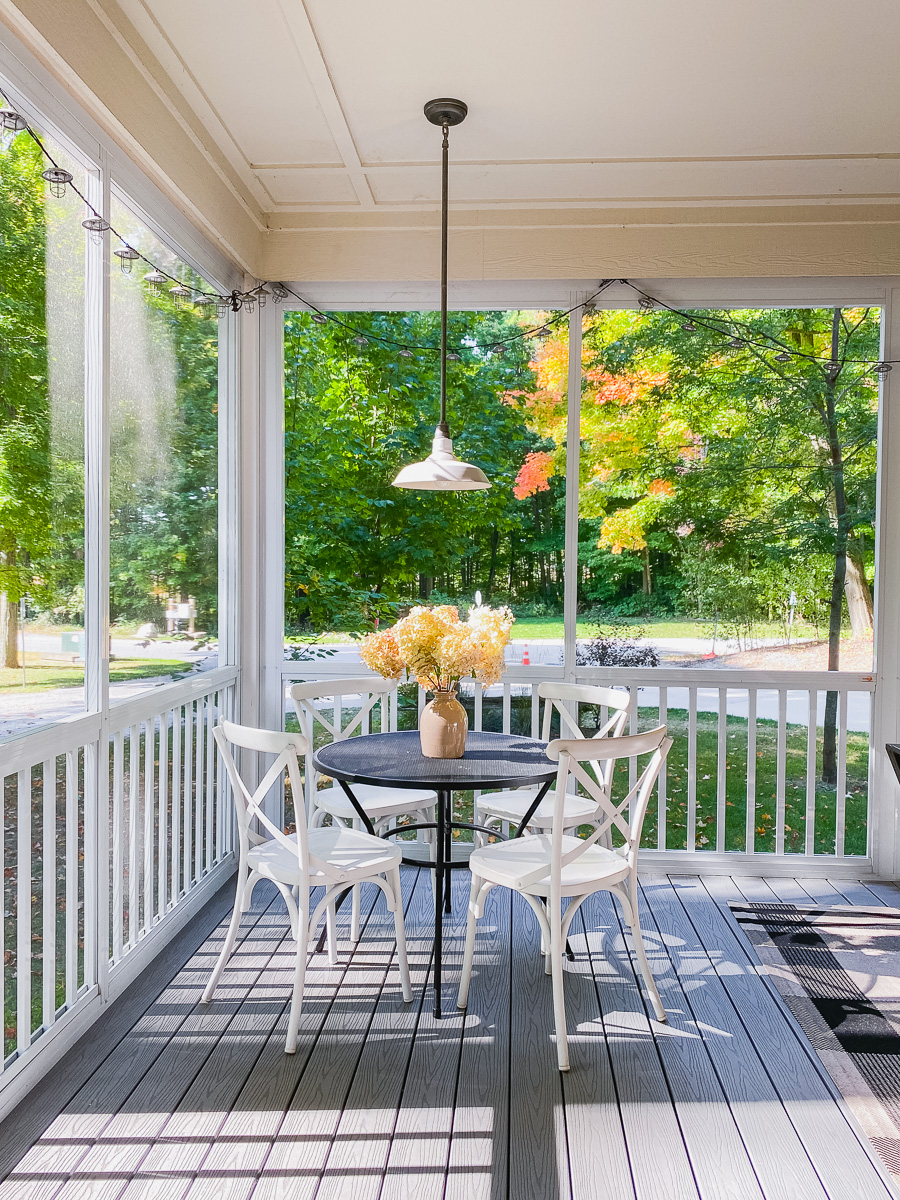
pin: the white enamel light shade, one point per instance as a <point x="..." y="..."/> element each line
<point x="442" y="471"/>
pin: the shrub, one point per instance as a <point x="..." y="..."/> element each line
<point x="616" y="646"/>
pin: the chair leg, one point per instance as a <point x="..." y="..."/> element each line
<point x="290" y="1046"/>
<point x="465" y="977"/>
<point x="230" y="938"/>
<point x="331" y="929"/>
<point x="400" y="932"/>
<point x="641" y="952"/>
<point x="355" y="905"/>
<point x="559" y="1000"/>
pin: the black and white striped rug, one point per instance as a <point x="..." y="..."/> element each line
<point x="838" y="970"/>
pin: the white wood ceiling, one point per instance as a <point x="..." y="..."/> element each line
<point x="585" y="103"/>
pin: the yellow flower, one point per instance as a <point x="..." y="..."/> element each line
<point x="379" y="652"/>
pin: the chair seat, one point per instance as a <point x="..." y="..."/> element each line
<point x="378" y="802"/>
<point x="507" y="862"/>
<point x="513" y="805"/>
<point x="350" y="852"/>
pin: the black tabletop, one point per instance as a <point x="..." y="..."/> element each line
<point x="491" y="760"/>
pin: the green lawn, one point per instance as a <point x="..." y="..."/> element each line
<point x="45" y="677"/>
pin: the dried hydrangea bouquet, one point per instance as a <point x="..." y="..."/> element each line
<point x="437" y="649"/>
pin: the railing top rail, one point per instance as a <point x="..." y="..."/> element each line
<point x="158" y="700"/>
<point x="32" y="746"/>
<point x="823" y="681"/>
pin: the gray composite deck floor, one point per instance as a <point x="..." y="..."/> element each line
<point x="382" y="1101"/>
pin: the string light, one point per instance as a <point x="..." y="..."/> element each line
<point x="126" y="257"/>
<point x="57" y="178"/>
<point x="96" y="227"/>
<point x="404" y="353"/>
<point x="783" y="357"/>
<point x="181" y="295"/>
<point x="204" y="304"/>
<point x="320" y="318"/>
<point x="883" y="368"/>
<point x="361" y="340"/>
<point x="155" y="281"/>
<point x="688" y="327"/>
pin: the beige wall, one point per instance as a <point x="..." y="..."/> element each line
<point x="561" y="244"/>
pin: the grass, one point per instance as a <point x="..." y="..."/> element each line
<point x="45" y="677"/>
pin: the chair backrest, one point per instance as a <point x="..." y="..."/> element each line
<point x="558" y="697"/>
<point x="627" y="817"/>
<point x="249" y="805"/>
<point x="307" y="699"/>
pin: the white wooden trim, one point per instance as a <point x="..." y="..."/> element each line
<point x="885" y="828"/>
<point x="573" y="461"/>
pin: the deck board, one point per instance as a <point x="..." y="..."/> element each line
<point x="382" y="1102"/>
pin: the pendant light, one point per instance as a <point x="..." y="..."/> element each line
<point x="442" y="471"/>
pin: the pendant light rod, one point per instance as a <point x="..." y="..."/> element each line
<point x="442" y="471"/>
<point x="445" y="174"/>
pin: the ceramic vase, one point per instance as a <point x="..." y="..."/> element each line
<point x="443" y="726"/>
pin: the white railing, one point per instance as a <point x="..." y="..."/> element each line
<point x="743" y="782"/>
<point x="110" y="832"/>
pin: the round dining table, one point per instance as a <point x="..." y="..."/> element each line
<point x="490" y="761"/>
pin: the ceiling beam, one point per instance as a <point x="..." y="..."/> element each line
<point x="297" y="20"/>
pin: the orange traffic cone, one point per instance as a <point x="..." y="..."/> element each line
<point x="526" y="661"/>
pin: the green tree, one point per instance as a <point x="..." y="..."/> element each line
<point x="355" y="545"/>
<point x="25" y="497"/>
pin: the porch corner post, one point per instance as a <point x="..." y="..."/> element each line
<point x="96" y="586"/>
<point x="573" y="468"/>
<point x="884" y="789"/>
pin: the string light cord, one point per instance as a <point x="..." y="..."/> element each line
<point x="738" y="334"/>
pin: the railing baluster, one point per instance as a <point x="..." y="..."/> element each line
<point x="176" y="803"/>
<point x="220" y="790"/>
<point x="162" y="836"/>
<point x="198" y="791"/>
<point x="811" y="743"/>
<point x="841" y="791"/>
<point x="535" y="712"/>
<point x="149" y="821"/>
<point x="691" y="835"/>
<point x="72" y="757"/>
<point x="662" y="787"/>
<point x="208" y="722"/>
<point x="134" y="783"/>
<point x="750" y="831"/>
<point x="479" y="706"/>
<point x="23" y="912"/>
<point x="632" y="728"/>
<point x="48" y="893"/>
<point x="721" y="768"/>
<point x="118" y="835"/>
<point x="188" y="711"/>
<point x="507" y="706"/>
<point x="781" y="761"/>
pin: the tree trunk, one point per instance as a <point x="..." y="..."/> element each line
<point x="647" y="579"/>
<point x="856" y="589"/>
<point x="492" y="568"/>
<point x="426" y="583"/>
<point x="9" y="631"/>
<point x="839" y="578"/>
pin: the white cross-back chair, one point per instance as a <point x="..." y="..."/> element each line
<point x="511" y="806"/>
<point x="332" y="858"/>
<point x="546" y="869"/>
<point x="381" y="804"/>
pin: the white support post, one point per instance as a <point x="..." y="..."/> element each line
<point x="573" y="468"/>
<point x="271" y="412"/>
<point x="96" y="587"/>
<point x="884" y="791"/>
